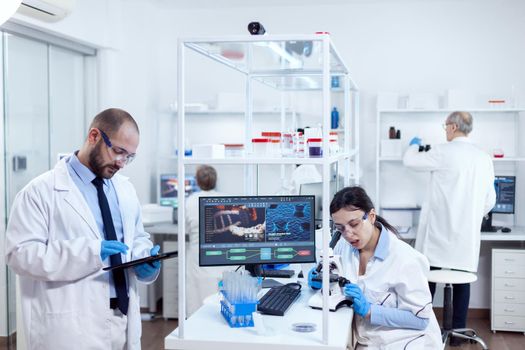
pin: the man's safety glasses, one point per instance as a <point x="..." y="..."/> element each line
<point x="120" y="154"/>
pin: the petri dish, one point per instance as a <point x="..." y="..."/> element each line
<point x="304" y="327"/>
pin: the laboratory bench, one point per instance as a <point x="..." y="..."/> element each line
<point x="517" y="234"/>
<point x="207" y="328"/>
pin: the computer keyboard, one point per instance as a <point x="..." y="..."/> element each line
<point x="278" y="299"/>
<point x="278" y="273"/>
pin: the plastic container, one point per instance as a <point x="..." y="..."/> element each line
<point x="315" y="147"/>
<point x="274" y="143"/>
<point x="274" y="148"/>
<point x="334" y="143"/>
<point x="298" y="144"/>
<point x="335" y="118"/>
<point x="234" y="149"/>
<point x="237" y="315"/>
<point x="259" y="146"/>
<point x="287" y="146"/>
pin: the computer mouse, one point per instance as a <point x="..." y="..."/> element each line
<point x="505" y="229"/>
<point x="294" y="285"/>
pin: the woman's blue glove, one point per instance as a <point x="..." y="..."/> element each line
<point x="361" y="305"/>
<point x="108" y="248"/>
<point x="415" y="141"/>
<point x="148" y="269"/>
<point x="314" y="284"/>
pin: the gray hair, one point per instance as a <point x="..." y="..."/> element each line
<point x="463" y="120"/>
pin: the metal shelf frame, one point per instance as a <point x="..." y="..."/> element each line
<point x="290" y="74"/>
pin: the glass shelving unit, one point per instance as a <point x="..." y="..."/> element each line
<point x="289" y="64"/>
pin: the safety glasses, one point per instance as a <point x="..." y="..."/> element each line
<point x="119" y="154"/>
<point x="352" y="226"/>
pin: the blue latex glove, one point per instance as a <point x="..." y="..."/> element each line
<point x="148" y="269"/>
<point x="361" y="305"/>
<point x="108" y="248"/>
<point x="415" y="141"/>
<point x="314" y="284"/>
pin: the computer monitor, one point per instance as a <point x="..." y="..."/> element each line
<point x="316" y="189"/>
<point x="256" y="230"/>
<point x="505" y="199"/>
<point x="168" y="188"/>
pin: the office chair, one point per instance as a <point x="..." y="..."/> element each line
<point x="449" y="277"/>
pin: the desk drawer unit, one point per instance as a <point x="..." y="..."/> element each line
<point x="508" y="290"/>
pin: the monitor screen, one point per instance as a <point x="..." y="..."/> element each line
<point x="505" y="194"/>
<point x="169" y="189"/>
<point x="256" y="230"/>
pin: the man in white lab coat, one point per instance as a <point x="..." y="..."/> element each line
<point x="461" y="192"/>
<point x="65" y="226"/>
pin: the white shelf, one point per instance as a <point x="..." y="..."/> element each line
<point x="474" y="110"/>
<point x="235" y="112"/>
<point x="509" y="159"/>
<point x="269" y="160"/>
<point x="516" y="235"/>
<point x="497" y="160"/>
<point x="390" y="159"/>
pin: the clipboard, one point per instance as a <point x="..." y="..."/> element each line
<point x="149" y="259"/>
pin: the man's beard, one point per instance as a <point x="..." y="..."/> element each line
<point x="96" y="162"/>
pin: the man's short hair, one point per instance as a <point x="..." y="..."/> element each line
<point x="110" y="121"/>
<point x="463" y="120"/>
<point x="206" y="177"/>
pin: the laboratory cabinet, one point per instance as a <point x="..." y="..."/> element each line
<point x="291" y="66"/>
<point x="508" y="290"/>
<point x="496" y="131"/>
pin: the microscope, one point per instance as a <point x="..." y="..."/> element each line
<point x="336" y="297"/>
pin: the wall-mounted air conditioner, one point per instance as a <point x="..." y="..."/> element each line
<point x="46" y="10"/>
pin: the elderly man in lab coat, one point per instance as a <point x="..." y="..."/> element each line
<point x="461" y="192"/>
<point x="65" y="226"/>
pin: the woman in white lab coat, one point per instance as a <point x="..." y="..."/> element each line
<point x="388" y="284"/>
<point x="201" y="281"/>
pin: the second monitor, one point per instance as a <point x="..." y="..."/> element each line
<point x="505" y="187"/>
<point x="256" y="230"/>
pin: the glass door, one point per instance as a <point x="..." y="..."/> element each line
<point x="44" y="116"/>
<point x="26" y="126"/>
<point x="67" y="123"/>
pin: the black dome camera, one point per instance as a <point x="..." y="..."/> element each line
<point x="256" y="28"/>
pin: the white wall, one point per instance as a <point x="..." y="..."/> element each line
<point x="401" y="46"/>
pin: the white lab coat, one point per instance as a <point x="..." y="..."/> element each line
<point x="461" y="191"/>
<point x="397" y="281"/>
<point x="303" y="174"/>
<point x="201" y="282"/>
<point x="53" y="244"/>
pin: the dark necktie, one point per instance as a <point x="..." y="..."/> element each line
<point x="109" y="229"/>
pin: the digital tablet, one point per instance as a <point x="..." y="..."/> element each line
<point x="149" y="259"/>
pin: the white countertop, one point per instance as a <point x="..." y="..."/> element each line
<point x="207" y="329"/>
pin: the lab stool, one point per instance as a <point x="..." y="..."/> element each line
<point x="449" y="277"/>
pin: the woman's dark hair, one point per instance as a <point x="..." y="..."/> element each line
<point x="355" y="198"/>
